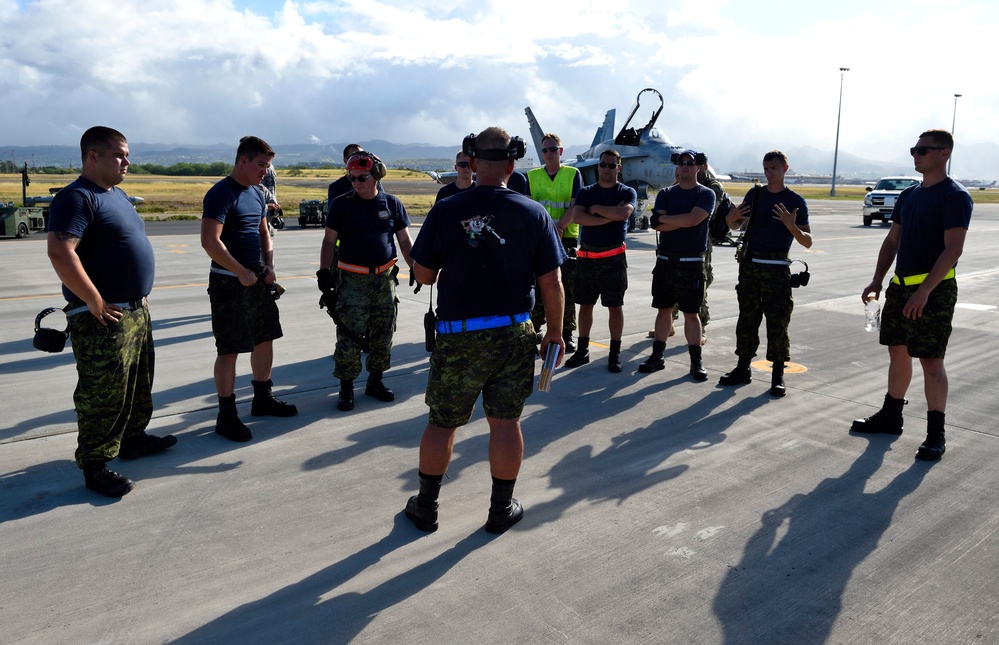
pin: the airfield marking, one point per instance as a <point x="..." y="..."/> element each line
<point x="789" y="367"/>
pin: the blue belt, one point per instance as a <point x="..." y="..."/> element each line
<point x="476" y="324"/>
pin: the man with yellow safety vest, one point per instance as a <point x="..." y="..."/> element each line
<point x="554" y="186"/>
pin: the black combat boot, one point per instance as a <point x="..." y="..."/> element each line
<point x="143" y="444"/>
<point x="265" y="404"/>
<point x="697" y="370"/>
<point x="228" y="424"/>
<point x="422" y="508"/>
<point x="614" y="358"/>
<point x="777" y="388"/>
<point x="570" y="347"/>
<point x="934" y="446"/>
<point x="887" y="420"/>
<point x="375" y="388"/>
<point x="582" y="355"/>
<point x="345" y="401"/>
<point x="741" y="375"/>
<point x="504" y="509"/>
<point x="100" y="479"/>
<point x="655" y="362"/>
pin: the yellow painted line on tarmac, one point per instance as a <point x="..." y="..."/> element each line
<point x="789" y="368"/>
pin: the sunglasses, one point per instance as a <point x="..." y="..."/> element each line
<point x="919" y="151"/>
<point x="607" y="165"/>
<point x="359" y="178"/>
<point x="545" y="151"/>
<point x="686" y="163"/>
<point x="462" y="164"/>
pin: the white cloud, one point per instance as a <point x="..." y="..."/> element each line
<point x="186" y="71"/>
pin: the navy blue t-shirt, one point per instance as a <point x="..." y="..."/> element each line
<point x="518" y="183"/>
<point x="924" y="214"/>
<point x="113" y="248"/>
<point x="489" y="243"/>
<point x="767" y="234"/>
<point x="341" y="186"/>
<point x="240" y="209"/>
<point x="674" y="200"/>
<point x="365" y="227"/>
<point x="611" y="233"/>
<point x="447" y="190"/>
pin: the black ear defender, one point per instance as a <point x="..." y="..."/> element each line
<point x="800" y="279"/>
<point x="49" y="340"/>
<point x="516" y="150"/>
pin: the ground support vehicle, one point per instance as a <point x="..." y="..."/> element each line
<point x="21" y="221"/>
<point x="312" y="212"/>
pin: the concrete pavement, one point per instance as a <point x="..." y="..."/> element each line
<point x="658" y="509"/>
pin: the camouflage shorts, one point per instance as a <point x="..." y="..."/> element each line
<point x="499" y="363"/>
<point x="606" y="278"/>
<point x="242" y="317"/>
<point x="680" y="283"/>
<point x="927" y="336"/>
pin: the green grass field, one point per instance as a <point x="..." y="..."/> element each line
<point x="180" y="196"/>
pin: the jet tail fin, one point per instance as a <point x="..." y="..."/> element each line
<point x="606" y="131"/>
<point x="537" y="134"/>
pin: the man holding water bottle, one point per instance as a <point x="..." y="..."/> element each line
<point x="929" y="224"/>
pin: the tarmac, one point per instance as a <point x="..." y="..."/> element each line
<point x="657" y="509"/>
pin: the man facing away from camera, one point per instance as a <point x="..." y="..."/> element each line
<point x="486" y="245"/>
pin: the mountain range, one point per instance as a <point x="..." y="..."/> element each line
<point x="980" y="160"/>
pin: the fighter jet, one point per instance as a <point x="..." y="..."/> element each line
<point x="645" y="152"/>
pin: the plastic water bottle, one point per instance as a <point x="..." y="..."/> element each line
<point x="872" y="315"/>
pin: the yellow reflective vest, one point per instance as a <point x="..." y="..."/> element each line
<point x="555" y="195"/>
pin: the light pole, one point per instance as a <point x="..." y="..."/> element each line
<point x="953" y="122"/>
<point x="839" y="112"/>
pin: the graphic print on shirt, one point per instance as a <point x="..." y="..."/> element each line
<point x="478" y="226"/>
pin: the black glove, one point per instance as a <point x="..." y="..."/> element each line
<point x="326" y="280"/>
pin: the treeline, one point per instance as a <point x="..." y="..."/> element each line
<point x="185" y="169"/>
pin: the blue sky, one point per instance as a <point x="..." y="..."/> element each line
<point x="734" y="74"/>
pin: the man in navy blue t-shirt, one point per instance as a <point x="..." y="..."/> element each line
<point x="776" y="216"/>
<point x="929" y="225"/>
<point x="464" y="181"/>
<point x="98" y="247"/>
<point x="486" y="245"/>
<point x="602" y="211"/>
<point x="365" y="223"/>
<point x="244" y="312"/>
<point x="679" y="278"/>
